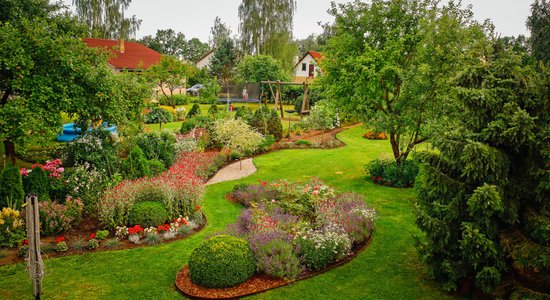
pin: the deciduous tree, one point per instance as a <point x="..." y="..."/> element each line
<point x="105" y="18"/>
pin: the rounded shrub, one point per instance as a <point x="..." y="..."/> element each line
<point x="221" y="262"/>
<point x="194" y="111"/>
<point x="159" y="115"/>
<point x="388" y="172"/>
<point x="148" y="214"/>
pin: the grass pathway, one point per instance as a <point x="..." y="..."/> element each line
<point x="388" y="269"/>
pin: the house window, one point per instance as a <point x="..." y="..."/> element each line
<point x="304" y="66"/>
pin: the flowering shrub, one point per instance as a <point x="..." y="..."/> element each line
<point x="12" y="229"/>
<point x="86" y="183"/>
<point x="320" y="247"/>
<point x="92" y="244"/>
<point x="274" y="254"/>
<point x="348" y="211"/>
<point x="388" y="172"/>
<point x="56" y="218"/>
<point x="375" y="135"/>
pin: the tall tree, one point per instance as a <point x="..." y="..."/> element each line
<point x="219" y="32"/>
<point x="105" y="18"/>
<point x="46" y="69"/>
<point x="167" y="42"/>
<point x="266" y="28"/>
<point x="483" y="196"/>
<point x="169" y="74"/>
<point x="194" y="50"/>
<point x="400" y="55"/>
<point x="261" y="67"/>
<point x="539" y="25"/>
<point x="224" y="61"/>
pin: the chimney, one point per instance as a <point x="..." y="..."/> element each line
<point x="121" y="46"/>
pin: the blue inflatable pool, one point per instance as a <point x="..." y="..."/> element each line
<point x="71" y="131"/>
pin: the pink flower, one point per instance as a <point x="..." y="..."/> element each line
<point x="24" y="172"/>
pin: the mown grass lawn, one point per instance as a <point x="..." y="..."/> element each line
<point x="388" y="269"/>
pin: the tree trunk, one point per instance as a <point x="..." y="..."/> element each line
<point x="395" y="147"/>
<point x="9" y="150"/>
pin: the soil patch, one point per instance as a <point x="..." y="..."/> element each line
<point x="257" y="284"/>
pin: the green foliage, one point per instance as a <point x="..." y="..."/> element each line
<point x="113" y="243"/>
<point x="12" y="227"/>
<point x="245" y="113"/>
<point x="153" y="238"/>
<point x="92" y="244"/>
<point x="159" y="146"/>
<point x="321" y="117"/>
<point x="210" y="91"/>
<point x="221" y="262"/>
<point x="148" y="214"/>
<point x="11" y="187"/>
<point x="266" y="121"/>
<point x="158" y="115"/>
<point x="260" y="68"/>
<point x="388" y="172"/>
<point x="85" y="183"/>
<point x="56" y="218"/>
<point x="194" y="111"/>
<point x="539" y="26"/>
<point x="101" y="234"/>
<point x="61" y="247"/>
<point x="402" y="56"/>
<point x="278" y="259"/>
<point x="169" y="74"/>
<point x="136" y="165"/>
<point x="198" y="121"/>
<point x="213" y="110"/>
<point x="237" y="136"/>
<point x="38" y="182"/>
<point x="223" y="61"/>
<point x="482" y="197"/>
<point x="166" y="41"/>
<point x="105" y="19"/>
<point x="155" y="167"/>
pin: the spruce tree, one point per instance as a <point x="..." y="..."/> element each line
<point x="11" y="187"/>
<point x="483" y="198"/>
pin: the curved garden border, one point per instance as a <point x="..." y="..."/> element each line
<point x="127" y="245"/>
<point x="250" y="287"/>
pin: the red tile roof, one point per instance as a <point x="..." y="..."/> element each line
<point x="135" y="56"/>
<point x="316" y="55"/>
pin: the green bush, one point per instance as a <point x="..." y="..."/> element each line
<point x="174" y="100"/>
<point x="244" y="113"/>
<point x="11" y="187"/>
<point x="266" y="121"/>
<point x="38" y="182"/>
<point x="148" y="214"/>
<point x="274" y="125"/>
<point x="101" y="234"/>
<point x="136" y="165"/>
<point x="159" y="146"/>
<point x="197" y="121"/>
<point x="194" y="111"/>
<point x="213" y="110"/>
<point x="152" y="192"/>
<point x="158" y="115"/>
<point x="388" y="172"/>
<point x="155" y="167"/>
<point x="221" y="262"/>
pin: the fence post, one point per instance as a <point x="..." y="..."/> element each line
<point x="35" y="265"/>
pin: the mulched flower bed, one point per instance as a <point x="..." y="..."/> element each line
<point x="88" y="227"/>
<point x="257" y="284"/>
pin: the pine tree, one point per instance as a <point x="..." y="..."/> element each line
<point x="483" y="198"/>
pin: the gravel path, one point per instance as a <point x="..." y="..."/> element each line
<point x="234" y="171"/>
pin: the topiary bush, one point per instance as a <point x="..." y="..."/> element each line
<point x="158" y="115"/>
<point x="136" y="165"/>
<point x="388" y="172"/>
<point x="148" y="214"/>
<point x="38" y="182"/>
<point x="194" y="111"/>
<point x="274" y="125"/>
<point x="221" y="262"/>
<point x="213" y="110"/>
<point x="11" y="187"/>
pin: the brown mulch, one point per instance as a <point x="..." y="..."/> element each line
<point x="83" y="231"/>
<point x="257" y="284"/>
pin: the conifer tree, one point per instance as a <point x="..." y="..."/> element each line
<point x="483" y="198"/>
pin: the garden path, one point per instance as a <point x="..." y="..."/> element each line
<point x="234" y="171"/>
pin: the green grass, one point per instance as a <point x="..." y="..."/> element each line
<point x="175" y="126"/>
<point x="387" y="269"/>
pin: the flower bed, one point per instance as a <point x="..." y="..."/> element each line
<point x="294" y="231"/>
<point x="370" y="135"/>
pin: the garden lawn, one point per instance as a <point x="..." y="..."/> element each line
<point x="388" y="269"/>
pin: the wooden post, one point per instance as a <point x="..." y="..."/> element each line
<point x="35" y="263"/>
<point x="280" y="101"/>
<point x="305" y="102"/>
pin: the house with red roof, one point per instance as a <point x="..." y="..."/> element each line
<point x="307" y="68"/>
<point x="130" y="56"/>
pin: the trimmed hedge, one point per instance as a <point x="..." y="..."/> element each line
<point x="148" y="214"/>
<point x="221" y="262"/>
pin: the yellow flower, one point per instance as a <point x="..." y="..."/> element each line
<point x="16" y="213"/>
<point x="1" y="221"/>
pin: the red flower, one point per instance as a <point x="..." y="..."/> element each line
<point x="264" y="183"/>
<point x="24" y="242"/>
<point x="59" y="239"/>
<point x="92" y="236"/>
<point x="198" y="207"/>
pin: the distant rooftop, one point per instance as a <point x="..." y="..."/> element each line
<point x="135" y="56"/>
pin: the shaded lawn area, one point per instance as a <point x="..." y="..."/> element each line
<point x="388" y="269"/>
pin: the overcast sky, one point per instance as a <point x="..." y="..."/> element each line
<point x="195" y="17"/>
